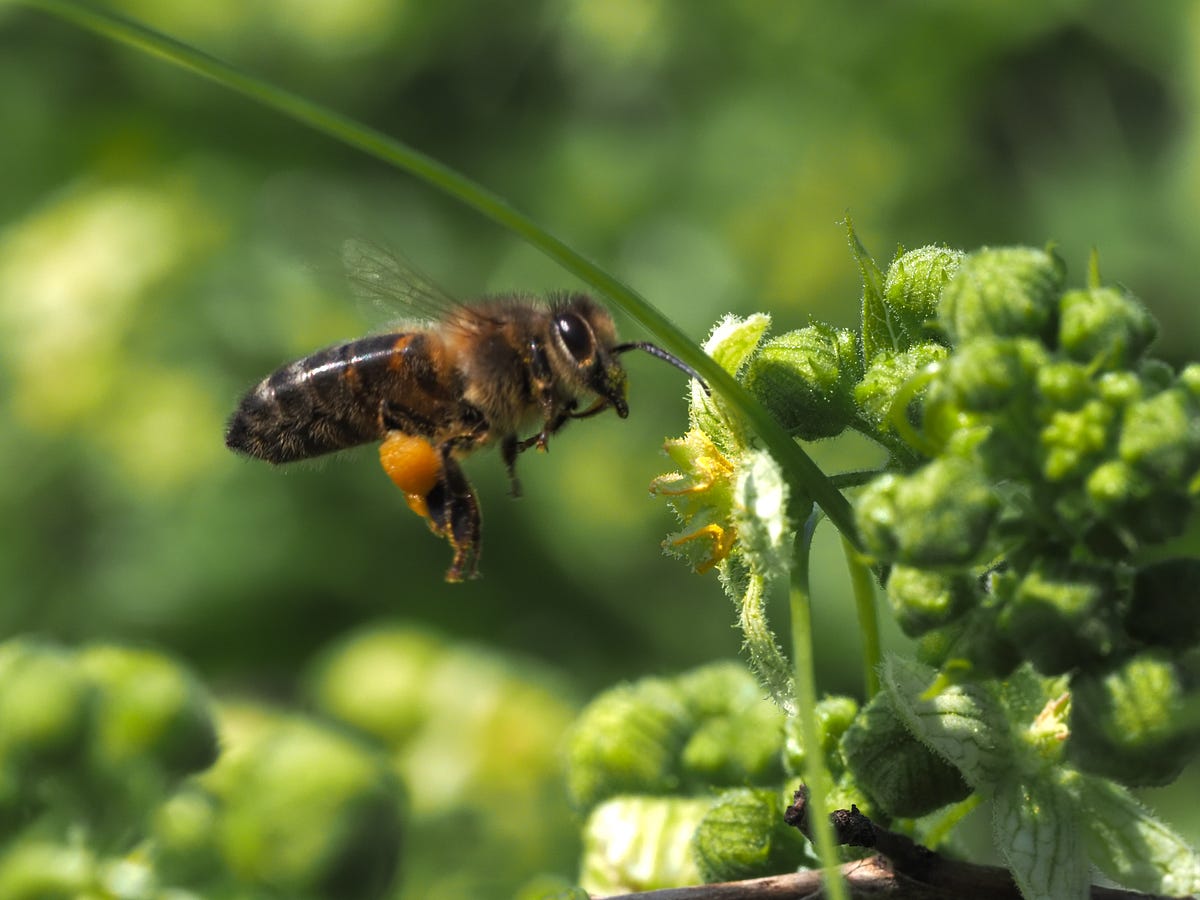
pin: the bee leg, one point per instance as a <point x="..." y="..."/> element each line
<point x="509" y="448"/>
<point x="598" y="407"/>
<point x="454" y="515"/>
<point x="554" y="422"/>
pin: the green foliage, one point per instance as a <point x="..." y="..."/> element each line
<point x="694" y="767"/>
<point x="743" y="835"/>
<point x="1040" y="461"/>
<point x="111" y="776"/>
<point x="707" y="728"/>
<point x="136" y="302"/>
<point x="903" y="776"/>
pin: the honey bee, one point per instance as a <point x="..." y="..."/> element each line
<point x="461" y="378"/>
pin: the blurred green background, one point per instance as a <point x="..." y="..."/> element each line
<point x="164" y="244"/>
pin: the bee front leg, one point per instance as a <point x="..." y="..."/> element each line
<point x="454" y="515"/>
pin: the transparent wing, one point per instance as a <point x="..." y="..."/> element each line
<point x="394" y="284"/>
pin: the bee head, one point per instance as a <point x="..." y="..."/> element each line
<point x="583" y="336"/>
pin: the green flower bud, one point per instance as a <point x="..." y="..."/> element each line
<point x="307" y="810"/>
<point x="743" y="835"/>
<point x="150" y="709"/>
<point x="912" y="290"/>
<point x="834" y="716"/>
<point x="900" y="773"/>
<point x="995" y="374"/>
<point x="939" y="515"/>
<point x="922" y="600"/>
<point x="1113" y="485"/>
<point x="45" y="703"/>
<point x="1138" y="724"/>
<point x="1160" y="436"/>
<point x="1165" y="606"/>
<point x="628" y="741"/>
<point x="1003" y="291"/>
<point x="740" y="733"/>
<point x="1104" y="326"/>
<point x="378" y="681"/>
<point x="717" y="689"/>
<point x="1063" y="617"/>
<point x="876" y="393"/>
<point x="1119" y="389"/>
<point x="1064" y="385"/>
<point x="1189" y="380"/>
<point x="806" y="380"/>
<point x="641" y="844"/>
<point x="1072" y="442"/>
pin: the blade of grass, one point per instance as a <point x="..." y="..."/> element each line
<point x="798" y="466"/>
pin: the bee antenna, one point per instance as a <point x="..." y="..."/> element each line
<point x="662" y="354"/>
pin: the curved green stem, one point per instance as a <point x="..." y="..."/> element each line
<point x="798" y="466"/>
<point x="862" y="583"/>
<point x="816" y="773"/>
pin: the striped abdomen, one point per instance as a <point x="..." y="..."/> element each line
<point x="335" y="398"/>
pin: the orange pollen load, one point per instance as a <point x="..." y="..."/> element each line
<point x="414" y="466"/>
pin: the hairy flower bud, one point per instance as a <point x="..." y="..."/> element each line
<point x="1105" y="327"/>
<point x="1064" y="616"/>
<point x="743" y="835"/>
<point x="1003" y="291"/>
<point x="806" y="379"/>
<point x="876" y="393"/>
<point x="922" y="599"/>
<point x="912" y="290"/>
<point x="939" y="515"/>
<point x="1138" y="724"/>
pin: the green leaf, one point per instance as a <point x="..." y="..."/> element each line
<point x="1131" y="846"/>
<point x="761" y="515"/>
<point x="640" y="844"/>
<point x="964" y="723"/>
<point x="1036" y="828"/>
<point x="733" y="340"/>
<point x="877" y="330"/>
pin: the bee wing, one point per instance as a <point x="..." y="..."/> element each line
<point x="392" y="282"/>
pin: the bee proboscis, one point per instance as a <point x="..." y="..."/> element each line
<point x="467" y="377"/>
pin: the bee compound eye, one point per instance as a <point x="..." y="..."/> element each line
<point x="576" y="336"/>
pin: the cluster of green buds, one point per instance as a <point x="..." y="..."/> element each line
<point x="1034" y="525"/>
<point x="1040" y="490"/>
<point x="700" y="768"/>
<point x="1045" y="467"/>
<point x="113" y="784"/>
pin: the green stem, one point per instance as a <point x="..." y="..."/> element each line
<point x="862" y="582"/>
<point x="816" y="773"/>
<point x="801" y="471"/>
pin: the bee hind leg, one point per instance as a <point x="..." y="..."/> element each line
<point x="454" y="515"/>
